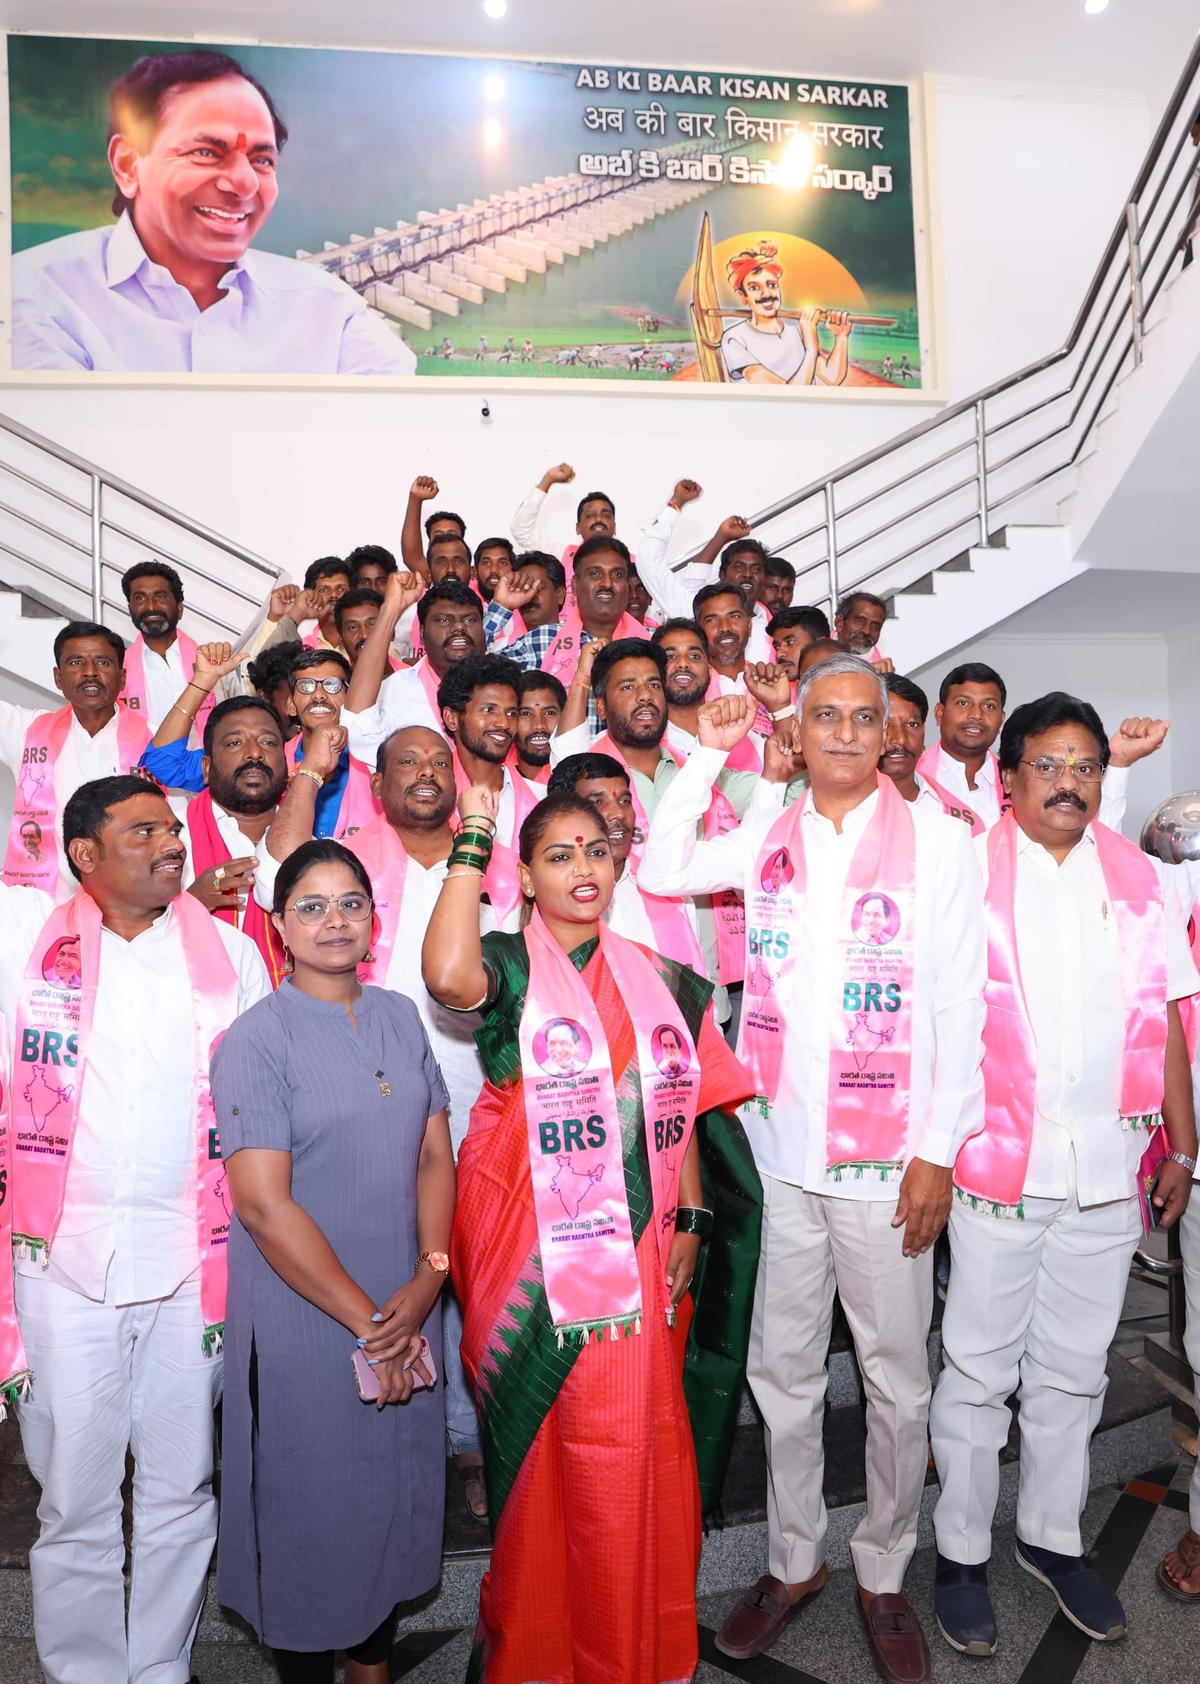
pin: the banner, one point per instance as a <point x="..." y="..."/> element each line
<point x="306" y="211"/>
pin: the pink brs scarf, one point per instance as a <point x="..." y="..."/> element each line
<point x="870" y="1051"/>
<point x="134" y="694"/>
<point x="589" y="1262"/>
<point x="562" y="657"/>
<point x="953" y="805"/>
<point x="54" y="1019"/>
<point x="33" y="861"/>
<point x="991" y="1165"/>
<point x="14" y="1365"/>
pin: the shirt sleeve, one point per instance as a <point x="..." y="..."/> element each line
<point x="1113" y="793"/>
<point x="369" y="346"/>
<point x="672" y="594"/>
<point x="527" y="519"/>
<point x="14" y="722"/>
<point x="565" y="743"/>
<point x="738" y="356"/>
<point x="175" y="765"/>
<point x="674" y="862"/>
<point x="250" y="1086"/>
<point x="496" y="621"/>
<point x="960" y="946"/>
<point x="525" y="651"/>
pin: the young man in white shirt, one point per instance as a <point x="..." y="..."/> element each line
<point x="111" y="1313"/>
<point x="159" y="661"/>
<point x="832" y="1220"/>
<point x="1088" y="955"/>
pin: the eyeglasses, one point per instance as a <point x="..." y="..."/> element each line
<point x="1049" y="768"/>
<point x="308" y="686"/>
<point x="315" y="909"/>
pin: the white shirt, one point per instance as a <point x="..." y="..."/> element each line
<point x="674" y="594"/>
<point x="627" y="913"/>
<point x="165" y="679"/>
<point x="83" y="758"/>
<point x="1070" y="962"/>
<point x="949" y="960"/>
<point x="746" y="346"/>
<point x="401" y="701"/>
<point x="95" y="300"/>
<point x="985" y="800"/>
<point x="129" y="1216"/>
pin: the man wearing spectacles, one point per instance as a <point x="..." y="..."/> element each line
<point x="318" y="685"/>
<point x="1083" y="1046"/>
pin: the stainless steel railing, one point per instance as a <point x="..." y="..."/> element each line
<point x="69" y="529"/>
<point x="889" y="517"/>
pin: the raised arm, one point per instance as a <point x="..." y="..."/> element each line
<point x="527" y="517"/>
<point x="452" y="957"/>
<point x="214" y="661"/>
<point x="412" y="548"/>
<point x="400" y="591"/>
<point x="295" y="817"/>
<point x="575" y="713"/>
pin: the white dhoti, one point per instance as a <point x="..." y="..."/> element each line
<point x="1034" y="1304"/>
<point x="107" y="1379"/>
<point x="813" y="1244"/>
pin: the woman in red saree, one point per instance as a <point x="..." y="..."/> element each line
<point x="588" y="1447"/>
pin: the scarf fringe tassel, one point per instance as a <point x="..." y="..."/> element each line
<point x="29" y="1248"/>
<point x="886" y="1171"/>
<point x="213" y="1338"/>
<point x="991" y="1207"/>
<point x="1147" y="1125"/>
<point x="14" y="1391"/>
<point x="580" y="1334"/>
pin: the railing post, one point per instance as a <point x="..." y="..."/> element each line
<point x="831" y="547"/>
<point x="981" y="470"/>
<point x="1135" y="278"/>
<point x="97" y="580"/>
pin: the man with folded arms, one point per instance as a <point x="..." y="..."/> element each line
<point x="1083" y="1051"/>
<point x="865" y="1060"/>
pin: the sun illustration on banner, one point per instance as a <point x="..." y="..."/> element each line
<point x="812" y="275"/>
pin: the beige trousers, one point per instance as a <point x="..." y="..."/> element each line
<point x="812" y="1245"/>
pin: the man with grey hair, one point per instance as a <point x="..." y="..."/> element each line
<point x="865" y="1061"/>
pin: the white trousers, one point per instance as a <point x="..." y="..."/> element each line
<point x="107" y="1379"/>
<point x="811" y="1245"/>
<point x="1189" y="1240"/>
<point x="1034" y="1304"/>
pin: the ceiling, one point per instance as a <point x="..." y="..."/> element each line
<point x="1136" y="44"/>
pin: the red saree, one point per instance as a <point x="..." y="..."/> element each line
<point x="590" y="1464"/>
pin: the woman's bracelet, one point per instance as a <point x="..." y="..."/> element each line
<point x="471" y="819"/>
<point x="463" y="854"/>
<point x="694" y="1219"/>
<point x="466" y="871"/>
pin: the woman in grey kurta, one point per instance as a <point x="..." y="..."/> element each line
<point x="331" y="1110"/>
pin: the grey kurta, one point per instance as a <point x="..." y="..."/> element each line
<point x="331" y="1509"/>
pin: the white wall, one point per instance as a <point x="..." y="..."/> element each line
<point x="1119" y="674"/>
<point x="1030" y="182"/>
<point x="1183" y="681"/>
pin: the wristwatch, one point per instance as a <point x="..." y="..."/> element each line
<point x="1189" y="1164"/>
<point x="437" y="1261"/>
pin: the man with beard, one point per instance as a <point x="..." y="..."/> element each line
<point x="245" y="774"/>
<point x="159" y="661"/>
<point x="354" y="615"/>
<point x="449" y="558"/>
<point x="904" y="739"/>
<point x="778" y="585"/>
<point x="858" y="624"/>
<point x="731" y="556"/>
<point x="451" y="620"/>
<point x="532" y="596"/>
<point x="1084" y="1049"/>
<point x="326" y="581"/>
<point x="370" y="567"/>
<point x="687" y="678"/>
<point x="50" y="754"/>
<point x="120" y="1288"/>
<point x="540" y="701"/>
<point x="479" y="706"/>
<point x="720" y="612"/>
<point x="791" y="631"/>
<point x="406" y="852"/>
<point x="495" y="559"/>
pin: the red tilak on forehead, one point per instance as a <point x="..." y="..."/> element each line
<point x="239" y="144"/>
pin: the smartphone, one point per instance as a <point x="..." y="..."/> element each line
<point x="367" y="1381"/>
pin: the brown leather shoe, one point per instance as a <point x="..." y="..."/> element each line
<point x="763" y="1612"/>
<point x="898" y="1645"/>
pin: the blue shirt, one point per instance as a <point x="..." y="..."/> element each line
<point x="95" y="301"/>
<point x="176" y="766"/>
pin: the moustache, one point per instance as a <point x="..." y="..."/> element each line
<point x="1066" y="798"/>
<point x="253" y="766"/>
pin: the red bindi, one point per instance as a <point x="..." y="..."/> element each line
<point x="579" y="841"/>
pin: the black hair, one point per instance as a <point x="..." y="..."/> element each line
<point x="626" y="649"/>
<point x="1032" y="718"/>
<point x="152" y="570"/>
<point x="135" y="102"/>
<point x="362" y="554"/>
<point x="461" y="681"/>
<point x="274" y="664"/>
<point x="445" y="514"/>
<point x="235" y="704"/>
<point x="738" y="547"/>
<point x="358" y="597"/>
<point x="504" y="544"/>
<point x="449" y="590"/>
<point x="851" y="597"/>
<point x="549" y="564"/>
<point x="679" y="623"/>
<point x="717" y="588"/>
<point x="897" y="685"/>
<point x="594" y="497"/>
<point x="319" y="850"/>
<point x="576" y="767"/>
<point x="775" y="567"/>
<point x="829" y="647"/>
<point x="88" y="628"/>
<point x="975" y="672"/>
<point x="550" y="808"/>
<point x="813" y="620"/>
<point x="533" y="678"/>
<point x="324" y="567"/>
<point x="316" y="658"/>
<point x="449" y="538"/>
<point x="598" y="546"/>
<point x="90" y="808"/>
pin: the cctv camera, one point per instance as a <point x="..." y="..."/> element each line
<point x="486" y="410"/>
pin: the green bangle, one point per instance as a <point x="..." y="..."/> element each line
<point x="477" y="839"/>
<point x="694" y="1219"/>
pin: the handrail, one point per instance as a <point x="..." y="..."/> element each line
<point x="1104" y="348"/>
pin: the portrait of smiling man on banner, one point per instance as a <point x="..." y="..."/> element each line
<point x="194" y="146"/>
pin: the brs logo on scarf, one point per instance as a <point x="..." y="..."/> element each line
<point x="871" y="997"/>
<point x="772" y="944"/>
<point x="568" y="1135"/>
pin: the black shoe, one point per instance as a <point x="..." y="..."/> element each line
<point x="1079" y="1591"/>
<point x="964" y="1608"/>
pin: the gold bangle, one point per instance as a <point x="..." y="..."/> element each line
<point x="313" y="777"/>
<point x="179" y="708"/>
<point x="466" y="870"/>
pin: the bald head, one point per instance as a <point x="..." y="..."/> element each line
<point x="414" y="782"/>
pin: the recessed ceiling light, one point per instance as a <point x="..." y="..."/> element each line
<point x="1091" y="7"/>
<point x="497" y="8"/>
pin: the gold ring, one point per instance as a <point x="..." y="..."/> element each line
<point x="218" y="875"/>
